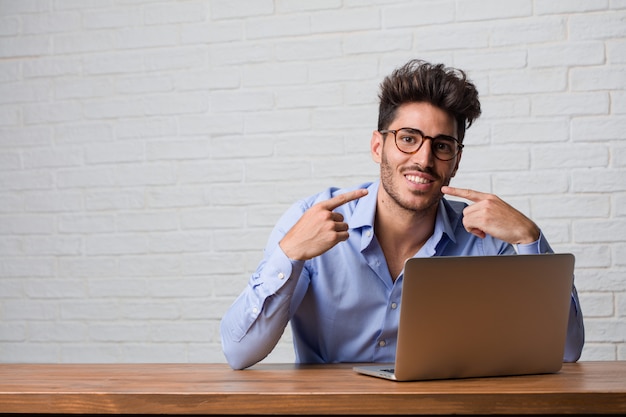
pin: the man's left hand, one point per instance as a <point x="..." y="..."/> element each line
<point x="491" y="215"/>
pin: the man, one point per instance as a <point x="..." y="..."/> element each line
<point x="333" y="265"/>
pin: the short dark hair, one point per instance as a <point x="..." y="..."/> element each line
<point x="420" y="81"/>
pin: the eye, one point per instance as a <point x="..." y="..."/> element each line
<point x="444" y="145"/>
<point x="408" y="139"/>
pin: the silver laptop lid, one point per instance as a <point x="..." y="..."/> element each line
<point x="483" y="316"/>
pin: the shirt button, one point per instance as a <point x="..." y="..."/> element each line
<point x="255" y="310"/>
<point x="394" y="306"/>
<point x="281" y="275"/>
<point x="368" y="233"/>
<point x="382" y="343"/>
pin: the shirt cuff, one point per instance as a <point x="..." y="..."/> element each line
<point x="278" y="270"/>
<point x="539" y="246"/>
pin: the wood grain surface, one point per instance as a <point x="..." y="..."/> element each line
<point x="586" y="387"/>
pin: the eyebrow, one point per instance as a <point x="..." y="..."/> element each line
<point x="439" y="136"/>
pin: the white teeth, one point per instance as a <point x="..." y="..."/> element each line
<point x="415" y="178"/>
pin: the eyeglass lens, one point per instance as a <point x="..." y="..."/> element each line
<point x="410" y="140"/>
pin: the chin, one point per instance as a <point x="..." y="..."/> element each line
<point x="421" y="204"/>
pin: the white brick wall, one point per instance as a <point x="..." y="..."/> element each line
<point x="147" y="147"/>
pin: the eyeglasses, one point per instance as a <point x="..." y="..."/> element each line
<point x="410" y="140"/>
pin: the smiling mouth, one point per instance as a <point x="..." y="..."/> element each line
<point x="417" y="179"/>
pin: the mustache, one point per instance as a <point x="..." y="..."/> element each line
<point x="418" y="168"/>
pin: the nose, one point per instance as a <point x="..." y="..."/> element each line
<point x="424" y="156"/>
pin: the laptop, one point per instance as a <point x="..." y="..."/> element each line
<point x="481" y="316"/>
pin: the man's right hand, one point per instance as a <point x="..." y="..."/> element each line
<point x="319" y="228"/>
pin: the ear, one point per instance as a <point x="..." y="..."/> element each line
<point x="376" y="146"/>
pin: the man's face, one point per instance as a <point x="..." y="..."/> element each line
<point x="413" y="181"/>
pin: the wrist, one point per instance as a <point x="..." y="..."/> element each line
<point x="290" y="252"/>
<point x="531" y="236"/>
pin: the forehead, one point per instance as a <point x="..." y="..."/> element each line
<point x="426" y="117"/>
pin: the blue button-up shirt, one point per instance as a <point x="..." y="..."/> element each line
<point x="343" y="305"/>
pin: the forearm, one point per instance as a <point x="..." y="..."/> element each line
<point x="253" y="325"/>
<point x="575" y="331"/>
<point x="243" y="347"/>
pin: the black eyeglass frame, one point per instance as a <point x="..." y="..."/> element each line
<point x="460" y="146"/>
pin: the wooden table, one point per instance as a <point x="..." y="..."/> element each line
<point x="588" y="387"/>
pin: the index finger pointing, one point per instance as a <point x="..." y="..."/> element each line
<point x="464" y="193"/>
<point x="341" y="199"/>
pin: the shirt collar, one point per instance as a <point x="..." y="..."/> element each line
<point x="365" y="210"/>
<point x="447" y="219"/>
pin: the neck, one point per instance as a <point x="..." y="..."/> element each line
<point x="404" y="228"/>
<point x="401" y="233"/>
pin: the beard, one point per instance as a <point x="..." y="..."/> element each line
<point x="428" y="202"/>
